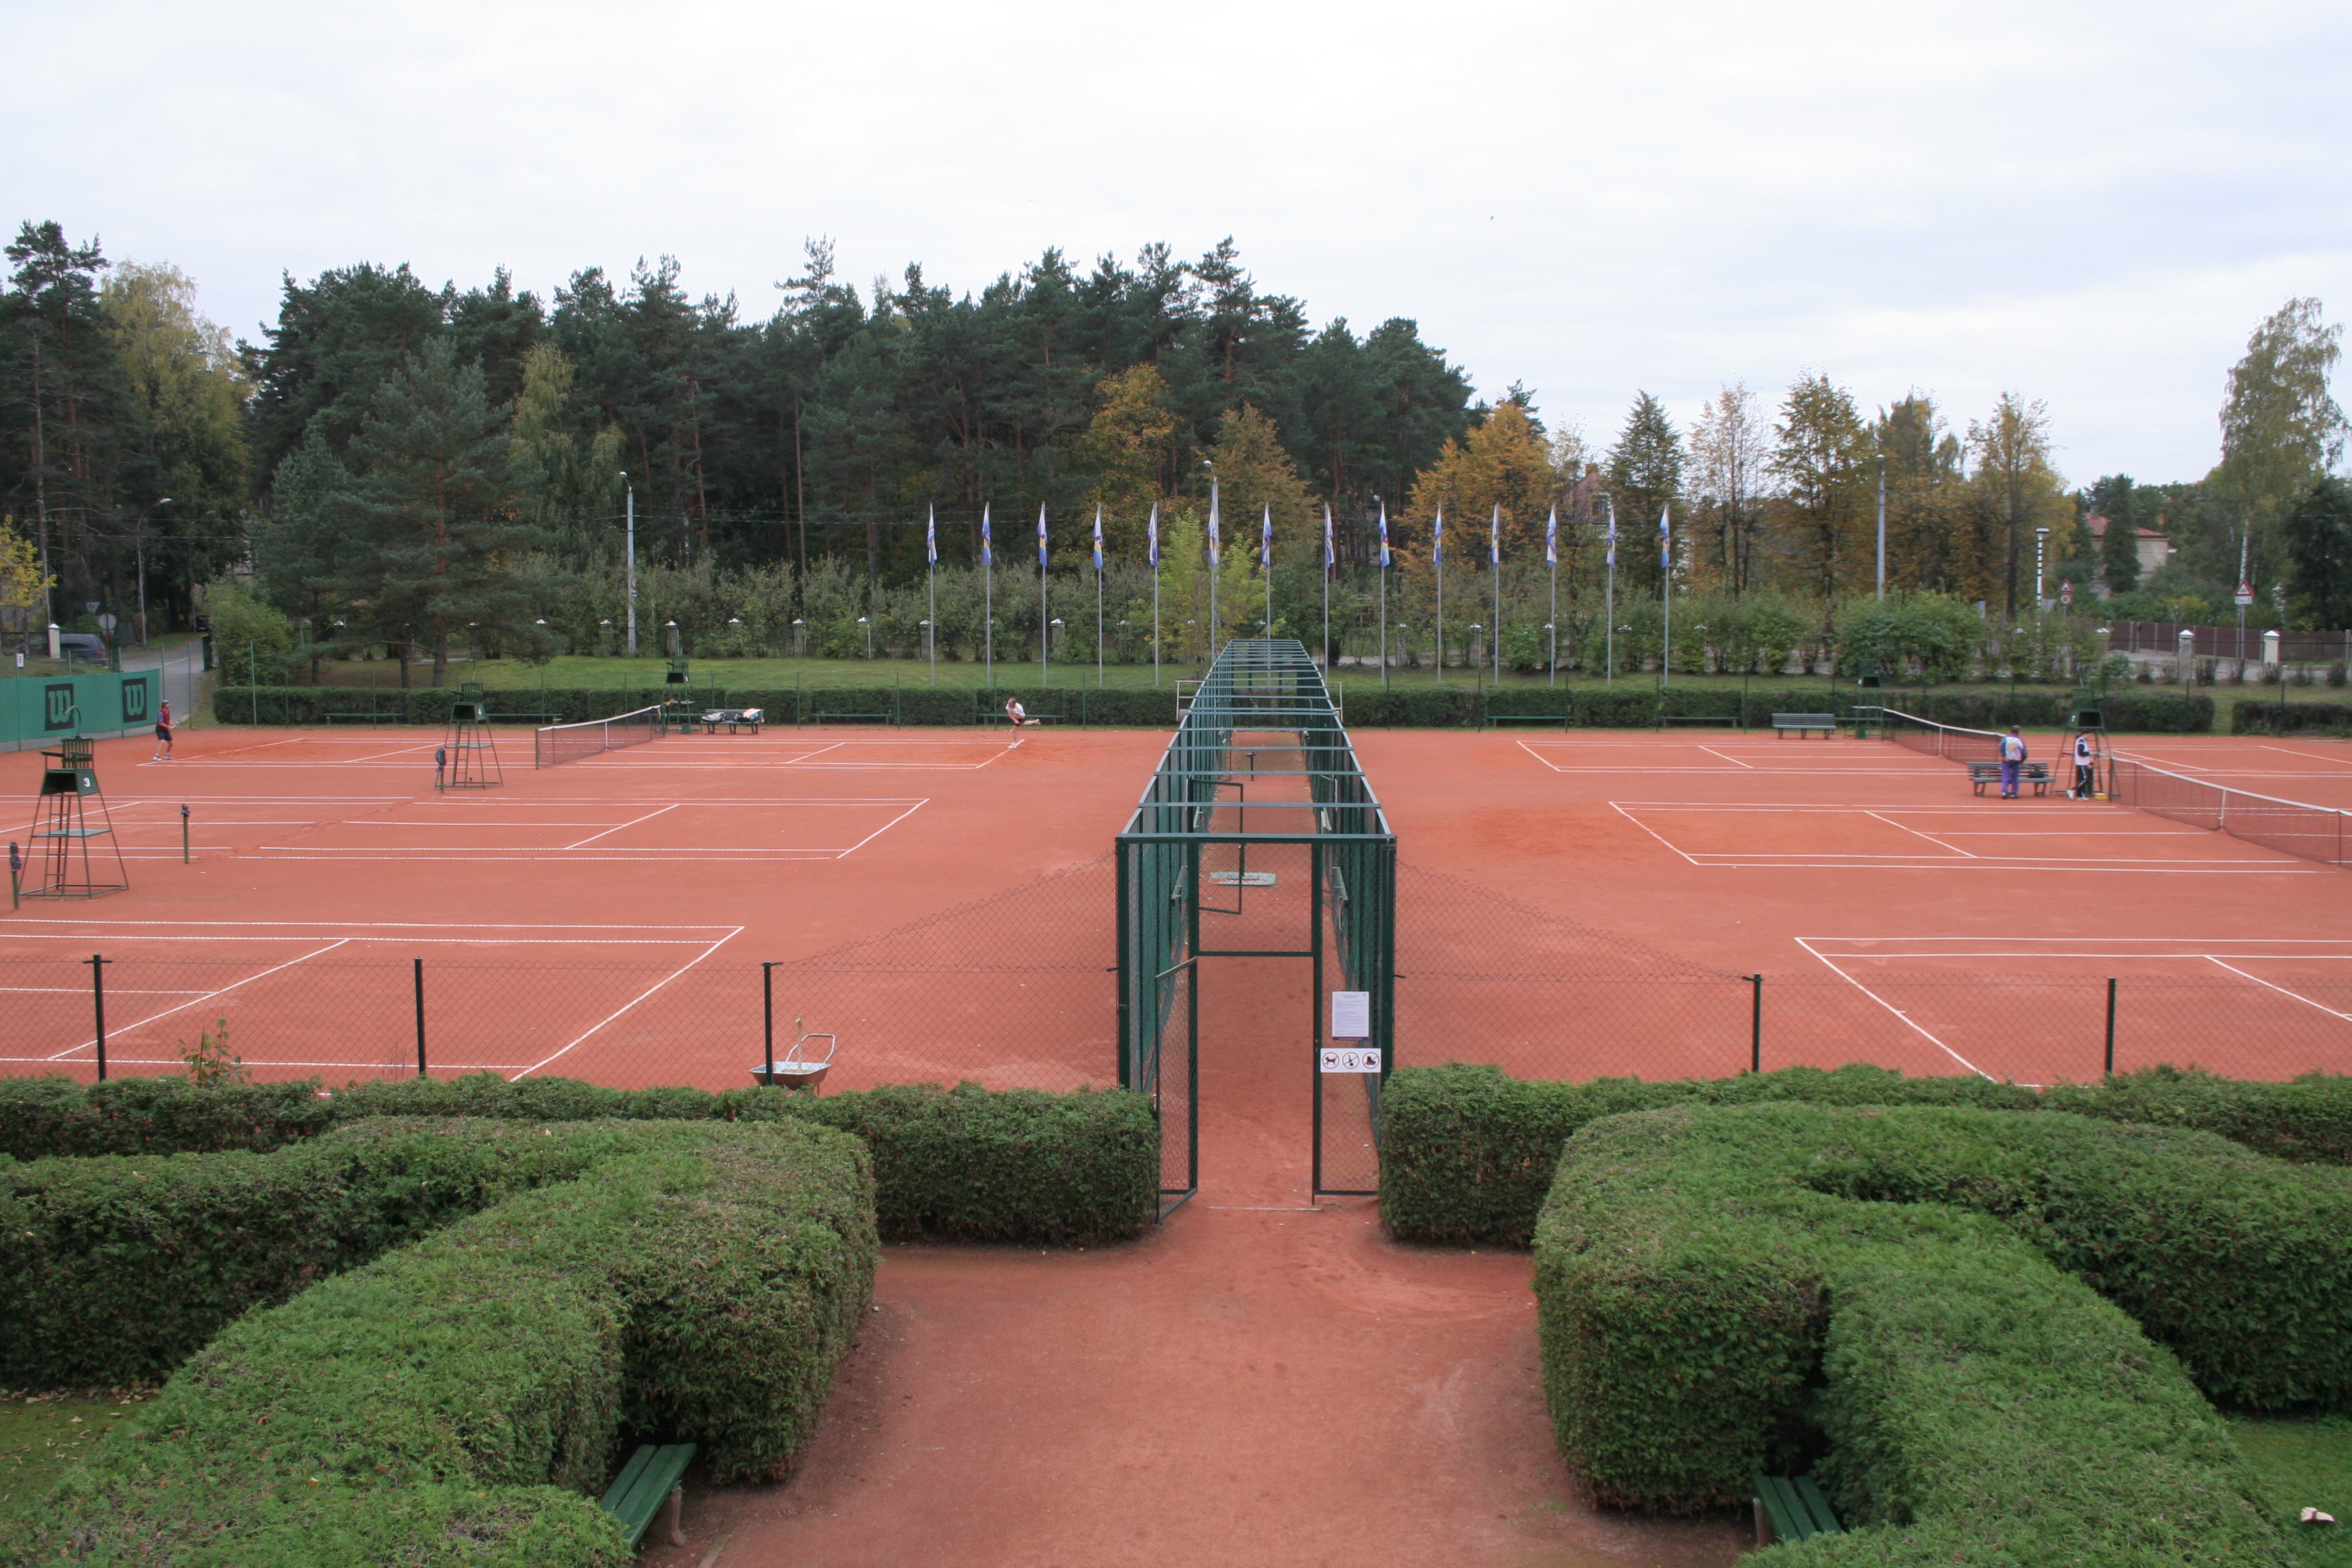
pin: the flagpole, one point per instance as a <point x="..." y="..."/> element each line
<point x="1098" y="612"/>
<point x="988" y="598"/>
<point x="1437" y="558"/>
<point x="1213" y="553"/>
<point x="1551" y="622"/>
<point x="1495" y="549"/>
<point x="1266" y="564"/>
<point x="1328" y="563"/>
<point x="1608" y="602"/>
<point x="1044" y="634"/>
<point x="932" y="569"/>
<point x="1667" y="596"/>
<point x="1155" y="595"/>
<point x="1384" y="592"/>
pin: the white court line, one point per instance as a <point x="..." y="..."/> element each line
<point x="2314" y="756"/>
<point x="1930" y="838"/>
<point x="91" y="1043"/>
<point x="78" y="936"/>
<point x="648" y="991"/>
<point x="617" y="827"/>
<point x="1899" y="1011"/>
<point x="883" y="829"/>
<point x="1648" y="829"/>
<point x="1726" y="757"/>
<point x="2280" y="989"/>
<point x="366" y="926"/>
<point x="176" y="1061"/>
<point x="2071" y="952"/>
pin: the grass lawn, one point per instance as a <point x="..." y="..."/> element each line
<point x="42" y="1433"/>
<point x="2306" y="1464"/>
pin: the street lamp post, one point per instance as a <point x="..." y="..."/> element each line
<point x="160" y="500"/>
<point x="2040" y="542"/>
<point x="869" y="635"/>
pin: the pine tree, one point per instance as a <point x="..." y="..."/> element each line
<point x="434" y="509"/>
<point x="1646" y="472"/>
<point x="2319" y="556"/>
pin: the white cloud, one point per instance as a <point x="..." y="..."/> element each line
<point x="2089" y="203"/>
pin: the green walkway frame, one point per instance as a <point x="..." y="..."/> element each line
<point x="1258" y="838"/>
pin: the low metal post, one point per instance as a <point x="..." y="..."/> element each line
<point x="2111" y="1026"/>
<point x="1756" y="1025"/>
<point x="184" y="835"/>
<point x="16" y="876"/>
<point x="97" y="1007"/>
<point x="768" y="1022"/>
<point x="420" y="1017"/>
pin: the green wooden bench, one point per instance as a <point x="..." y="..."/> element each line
<point x="1557" y="721"/>
<point x="1791" y="1508"/>
<point x="1803" y="724"/>
<point x="648" y="1481"/>
<point x="366" y="718"/>
<point x="851" y="719"/>
<point x="1728" y="720"/>
<point x="520" y="718"/>
<point x="999" y="716"/>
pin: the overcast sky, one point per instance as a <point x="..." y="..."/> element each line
<point x="2090" y="203"/>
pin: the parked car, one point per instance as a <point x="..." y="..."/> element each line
<point x="73" y="645"/>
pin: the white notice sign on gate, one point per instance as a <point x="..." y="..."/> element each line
<point x="1351" y="1058"/>
<point x="1351" y="1015"/>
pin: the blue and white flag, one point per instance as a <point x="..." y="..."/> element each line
<point x="1152" y="533"/>
<point x="1611" y="505"/>
<point x="1437" y="540"/>
<point x="932" y="536"/>
<point x="1099" y="536"/>
<point x="1552" y="539"/>
<point x="985" y="558"/>
<point x="1265" y="540"/>
<point x="1213" y="538"/>
<point x="1384" y="536"/>
<point x="1040" y="539"/>
<point x="1495" y="538"/>
<point x="1666" y="539"/>
<point x="1330" y="556"/>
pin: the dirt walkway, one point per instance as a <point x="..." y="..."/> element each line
<point x="1259" y="1382"/>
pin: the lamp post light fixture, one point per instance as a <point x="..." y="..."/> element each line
<point x="869" y="635"/>
<point x="2041" y="543"/>
<point x="1551" y="654"/>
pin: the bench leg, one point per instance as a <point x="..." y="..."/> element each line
<point x="677" y="1516"/>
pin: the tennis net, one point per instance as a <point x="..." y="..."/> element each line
<point x="2311" y="832"/>
<point x="569" y="742"/>
<point x="1947" y="740"/>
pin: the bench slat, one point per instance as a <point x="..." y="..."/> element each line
<point x="645" y="1483"/>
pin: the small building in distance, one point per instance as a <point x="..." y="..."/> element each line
<point x="2152" y="545"/>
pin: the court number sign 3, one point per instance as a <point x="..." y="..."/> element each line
<point x="1351" y="1024"/>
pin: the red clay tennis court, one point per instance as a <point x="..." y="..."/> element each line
<point x="1571" y="905"/>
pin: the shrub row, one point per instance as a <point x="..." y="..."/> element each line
<point x="1467" y="1153"/>
<point x="2258" y="717"/>
<point x="461" y="1399"/>
<point x="958" y="1164"/>
<point x="1072" y="704"/>
<point x="1633" y="705"/>
<point x="1727" y="1290"/>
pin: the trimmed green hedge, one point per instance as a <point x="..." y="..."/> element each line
<point x="958" y="1164"/>
<point x="1882" y="1295"/>
<point x="1073" y="703"/>
<point x="459" y="1400"/>
<point x="1467" y="1153"/>
<point x="2253" y="716"/>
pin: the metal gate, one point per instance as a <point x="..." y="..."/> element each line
<point x="1260" y="838"/>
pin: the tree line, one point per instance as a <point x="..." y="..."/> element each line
<point x="395" y="464"/>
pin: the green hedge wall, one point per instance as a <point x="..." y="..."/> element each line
<point x="1467" y="1153"/>
<point x="1075" y="703"/>
<point x="956" y="1164"/>
<point x="459" y="1400"/>
<point x="1726" y="1290"/>
<point x="2292" y="717"/>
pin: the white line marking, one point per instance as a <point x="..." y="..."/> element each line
<point x="648" y="991"/>
<point x="883" y="829"/>
<point x="91" y="1043"/>
<point x="1930" y="838"/>
<point x="2280" y="989"/>
<point x="1648" y="829"/>
<point x="1899" y="1011"/>
<point x="617" y="827"/>
<point x="1734" y="761"/>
